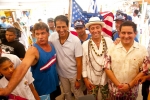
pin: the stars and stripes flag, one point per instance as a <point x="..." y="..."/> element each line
<point x="79" y="14"/>
<point x="108" y="18"/>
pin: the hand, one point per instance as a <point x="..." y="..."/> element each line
<point x="117" y="41"/>
<point x="124" y="88"/>
<point x="88" y="85"/>
<point x="77" y="85"/>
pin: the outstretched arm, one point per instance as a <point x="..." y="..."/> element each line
<point x="20" y="71"/>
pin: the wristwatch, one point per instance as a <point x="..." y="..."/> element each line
<point x="78" y="80"/>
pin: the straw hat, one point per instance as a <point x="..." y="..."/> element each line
<point x="94" y="20"/>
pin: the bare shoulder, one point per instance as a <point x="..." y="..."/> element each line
<point x="32" y="51"/>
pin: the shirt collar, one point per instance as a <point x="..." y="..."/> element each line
<point x="135" y="45"/>
<point x="69" y="37"/>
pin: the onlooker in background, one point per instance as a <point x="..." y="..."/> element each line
<point x="39" y="20"/>
<point x="129" y="18"/>
<point x="12" y="45"/>
<point x="118" y="21"/>
<point x="22" y="24"/>
<point x="136" y="20"/>
<point x="50" y="22"/>
<point x="67" y="16"/>
<point x="135" y="17"/>
<point x="32" y="35"/>
<point x="80" y="29"/>
<point x="23" y="39"/>
<point x="10" y="21"/>
<point x="3" y="23"/>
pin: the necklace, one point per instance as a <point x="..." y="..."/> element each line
<point x="104" y="46"/>
<point x="90" y="61"/>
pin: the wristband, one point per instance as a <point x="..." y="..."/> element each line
<point x="128" y="86"/>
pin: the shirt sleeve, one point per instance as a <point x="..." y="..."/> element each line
<point x="29" y="77"/>
<point x="146" y="65"/>
<point x="107" y="61"/>
<point x="78" y="48"/>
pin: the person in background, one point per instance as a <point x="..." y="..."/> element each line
<point x="118" y="21"/>
<point x="32" y="35"/>
<point x="10" y="21"/>
<point x="39" y="20"/>
<point x="50" y="22"/>
<point x="80" y="29"/>
<point x="25" y="90"/>
<point x="3" y="23"/>
<point x="23" y="39"/>
<point x="12" y="45"/>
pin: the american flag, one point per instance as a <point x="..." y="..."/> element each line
<point x="108" y="19"/>
<point x="79" y="14"/>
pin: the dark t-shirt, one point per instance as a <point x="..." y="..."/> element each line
<point x="15" y="48"/>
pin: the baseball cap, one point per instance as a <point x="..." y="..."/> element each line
<point x="31" y="27"/>
<point x="78" y="23"/>
<point x="120" y="17"/>
<point x="50" y="19"/>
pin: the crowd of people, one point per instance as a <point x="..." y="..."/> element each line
<point x="82" y="63"/>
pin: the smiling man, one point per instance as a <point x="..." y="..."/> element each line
<point x="80" y="29"/>
<point x="94" y="50"/>
<point x="124" y="61"/>
<point x="69" y="57"/>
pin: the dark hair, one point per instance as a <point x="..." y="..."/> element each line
<point x="12" y="29"/>
<point x="136" y="12"/>
<point x="18" y="19"/>
<point x="40" y="25"/>
<point x="128" y="23"/>
<point x="61" y="18"/>
<point x="3" y="59"/>
<point x="39" y="19"/>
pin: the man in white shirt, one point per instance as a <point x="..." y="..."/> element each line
<point x="123" y="64"/>
<point x="93" y="58"/>
<point x="69" y="57"/>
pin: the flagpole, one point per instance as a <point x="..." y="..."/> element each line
<point x="70" y="12"/>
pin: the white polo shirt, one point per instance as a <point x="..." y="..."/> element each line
<point x="22" y="89"/>
<point x="66" y="54"/>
